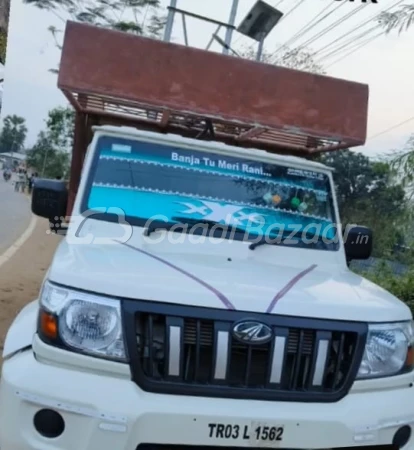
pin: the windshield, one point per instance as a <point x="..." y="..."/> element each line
<point x="172" y="184"/>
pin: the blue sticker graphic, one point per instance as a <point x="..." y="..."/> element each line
<point x="148" y="180"/>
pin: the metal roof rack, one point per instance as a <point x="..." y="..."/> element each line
<point x="194" y="125"/>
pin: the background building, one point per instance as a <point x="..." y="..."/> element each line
<point x="12" y="159"/>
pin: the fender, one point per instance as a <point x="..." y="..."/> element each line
<point x="21" y="332"/>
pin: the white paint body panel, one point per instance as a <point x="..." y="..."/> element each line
<point x="20" y="334"/>
<point x="250" y="280"/>
<point x="110" y="412"/>
<point x="103" y="409"/>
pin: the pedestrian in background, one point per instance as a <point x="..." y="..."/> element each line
<point x="22" y="180"/>
<point x="30" y="182"/>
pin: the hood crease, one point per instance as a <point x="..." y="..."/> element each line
<point x="226" y="302"/>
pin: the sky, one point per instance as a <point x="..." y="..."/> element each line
<point x="385" y="63"/>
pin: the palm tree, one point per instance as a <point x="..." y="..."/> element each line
<point x="4" y="25"/>
<point x="401" y="19"/>
<point x="402" y="161"/>
<point x="131" y="16"/>
<point x="140" y="17"/>
<point x="13" y="134"/>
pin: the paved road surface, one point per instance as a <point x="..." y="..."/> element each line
<point x="15" y="214"/>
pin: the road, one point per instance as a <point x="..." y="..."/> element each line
<point x="15" y="214"/>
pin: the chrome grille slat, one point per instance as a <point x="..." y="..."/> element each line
<point x="183" y="351"/>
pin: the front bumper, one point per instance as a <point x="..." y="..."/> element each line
<point x="111" y="413"/>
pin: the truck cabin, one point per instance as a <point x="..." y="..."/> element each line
<point x="238" y="102"/>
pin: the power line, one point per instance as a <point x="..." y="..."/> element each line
<point x="355" y="45"/>
<point x="392" y="128"/>
<point x="324" y="31"/>
<point x="291" y="10"/>
<point x="362" y="24"/>
<point x="355" y="49"/>
<point x="321" y="33"/>
<point x="350" y="42"/>
<point x="334" y="25"/>
<point x="310" y="24"/>
<point x="338" y="49"/>
<point x="337" y="40"/>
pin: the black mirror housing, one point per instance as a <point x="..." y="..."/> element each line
<point x="357" y="242"/>
<point x="49" y="199"/>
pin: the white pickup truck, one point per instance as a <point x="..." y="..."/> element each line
<point x="204" y="300"/>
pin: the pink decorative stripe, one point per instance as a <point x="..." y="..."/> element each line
<point x="288" y="287"/>
<point x="226" y="302"/>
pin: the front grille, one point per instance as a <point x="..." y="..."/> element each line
<point x="192" y="351"/>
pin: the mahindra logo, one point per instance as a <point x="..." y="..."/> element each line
<point x="252" y="332"/>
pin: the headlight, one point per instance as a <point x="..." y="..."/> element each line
<point x="388" y="350"/>
<point x="81" y="322"/>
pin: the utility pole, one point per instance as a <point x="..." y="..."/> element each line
<point x="259" y="53"/>
<point x="170" y="21"/>
<point x="230" y="26"/>
<point x="232" y="21"/>
<point x="12" y="151"/>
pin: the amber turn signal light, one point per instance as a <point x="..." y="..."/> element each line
<point x="48" y="325"/>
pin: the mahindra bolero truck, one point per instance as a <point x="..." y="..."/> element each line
<point x="201" y="295"/>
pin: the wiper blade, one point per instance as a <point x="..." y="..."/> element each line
<point x="256" y="244"/>
<point x="152" y="228"/>
<point x="264" y="240"/>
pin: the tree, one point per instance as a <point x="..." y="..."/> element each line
<point x="50" y="156"/>
<point x="353" y="174"/>
<point x="401" y="19"/>
<point x="61" y="127"/>
<point x="297" y="58"/>
<point x="13" y="134"/>
<point x="4" y="25"/>
<point x="132" y="16"/>
<point x="369" y="195"/>
<point x="47" y="160"/>
<point x="402" y="162"/>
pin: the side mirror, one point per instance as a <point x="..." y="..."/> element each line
<point x="49" y="199"/>
<point x="357" y="242"/>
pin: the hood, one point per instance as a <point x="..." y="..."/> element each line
<point x="244" y="283"/>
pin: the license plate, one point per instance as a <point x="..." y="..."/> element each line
<point x="256" y="433"/>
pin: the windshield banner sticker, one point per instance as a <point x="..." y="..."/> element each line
<point x="161" y="155"/>
<point x="148" y="179"/>
<point x="221" y="163"/>
<point x="305" y="174"/>
<point x="227" y="213"/>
